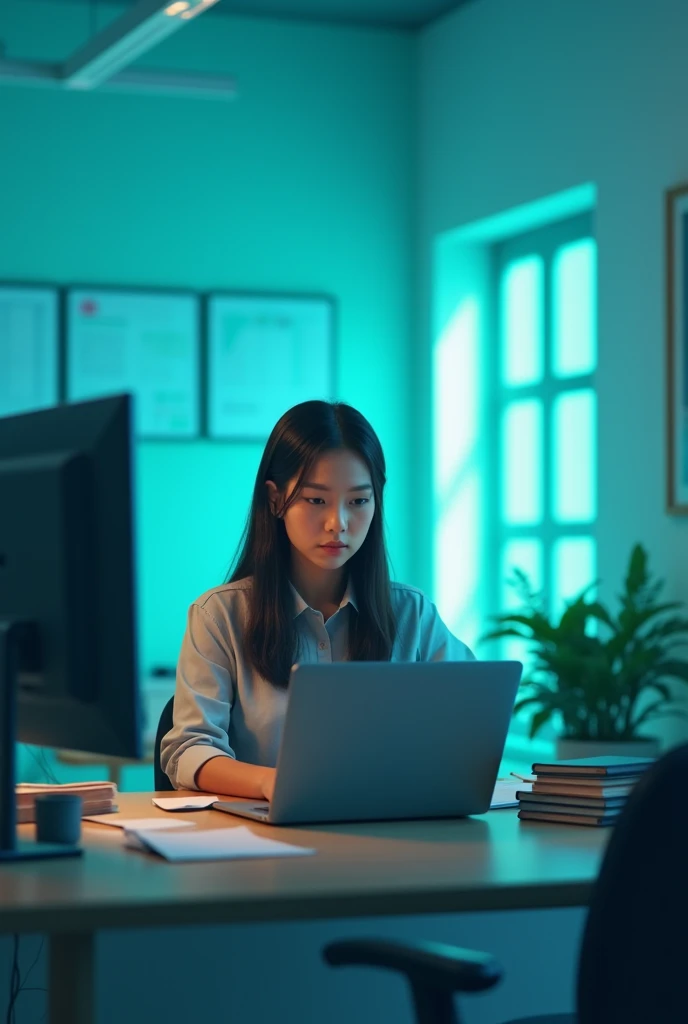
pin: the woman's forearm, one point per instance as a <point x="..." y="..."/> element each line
<point x="235" y="778"/>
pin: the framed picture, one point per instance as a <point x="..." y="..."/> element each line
<point x="266" y="353"/>
<point x="676" y="213"/>
<point x="143" y="341"/>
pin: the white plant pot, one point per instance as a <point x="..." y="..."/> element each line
<point x="568" y="749"/>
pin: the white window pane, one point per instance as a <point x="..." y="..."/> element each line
<point x="521" y="469"/>
<point x="574" y="567"/>
<point x="522" y="320"/>
<point x="574" y="309"/>
<point x="523" y="553"/>
<point x="574" y="457"/>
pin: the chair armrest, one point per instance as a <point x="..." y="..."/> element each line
<point x="431" y="965"/>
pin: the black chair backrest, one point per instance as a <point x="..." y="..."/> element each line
<point x="634" y="957"/>
<point x="161" y="780"/>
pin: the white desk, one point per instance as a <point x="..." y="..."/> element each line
<point x="488" y="863"/>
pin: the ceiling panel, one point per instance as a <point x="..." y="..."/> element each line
<point x="405" y="14"/>
<point x="384" y="13"/>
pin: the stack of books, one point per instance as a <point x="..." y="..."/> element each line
<point x="583" y="791"/>
<point x="97" y="797"/>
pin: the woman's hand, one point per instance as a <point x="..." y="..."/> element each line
<point x="268" y="785"/>
<point x="236" y="778"/>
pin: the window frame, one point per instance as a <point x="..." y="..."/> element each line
<point x="545" y="243"/>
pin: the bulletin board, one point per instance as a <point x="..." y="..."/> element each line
<point x="266" y="353"/>
<point x="29" y="348"/>
<point x="141" y="341"/>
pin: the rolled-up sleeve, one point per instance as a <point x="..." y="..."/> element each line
<point x="437" y="642"/>
<point x="206" y="677"/>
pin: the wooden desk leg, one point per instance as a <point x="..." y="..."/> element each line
<point x="71" y="995"/>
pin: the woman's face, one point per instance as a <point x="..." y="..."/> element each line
<point x="330" y="519"/>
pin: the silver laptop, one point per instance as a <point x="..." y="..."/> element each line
<point x="373" y="741"/>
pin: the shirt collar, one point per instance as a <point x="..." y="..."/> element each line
<point x="301" y="606"/>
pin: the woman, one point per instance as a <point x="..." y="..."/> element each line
<point x="310" y="584"/>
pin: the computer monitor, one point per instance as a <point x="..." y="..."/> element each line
<point x="68" y="661"/>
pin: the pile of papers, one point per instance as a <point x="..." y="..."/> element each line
<point x="97" y="797"/>
<point x="177" y="838"/>
<point x="237" y="843"/>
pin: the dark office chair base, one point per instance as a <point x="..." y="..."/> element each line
<point x="549" y="1018"/>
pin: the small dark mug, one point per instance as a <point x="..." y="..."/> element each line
<point x="58" y="818"/>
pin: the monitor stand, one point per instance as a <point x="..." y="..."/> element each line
<point x="11" y="848"/>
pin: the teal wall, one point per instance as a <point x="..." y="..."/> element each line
<point x="521" y="101"/>
<point x="303" y="183"/>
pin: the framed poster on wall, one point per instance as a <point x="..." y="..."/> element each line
<point x="676" y="233"/>
<point x="266" y="353"/>
<point x="141" y="341"/>
<point x="29" y="348"/>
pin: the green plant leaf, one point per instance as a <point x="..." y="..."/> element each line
<point x="660" y="688"/>
<point x="498" y="634"/>
<point x="636" y="576"/>
<point x="651" y="711"/>
<point x="526" y="702"/>
<point x="595" y="681"/>
<point x="632" y="618"/>
<point x="673" y="668"/>
<point x="538" y="720"/>
<point x="597" y="611"/>
<point x="537" y="623"/>
<point x="674" y="626"/>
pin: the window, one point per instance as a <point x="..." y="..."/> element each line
<point x="544" y="418"/>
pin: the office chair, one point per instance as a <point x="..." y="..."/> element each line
<point x="633" y="964"/>
<point x="160" y="780"/>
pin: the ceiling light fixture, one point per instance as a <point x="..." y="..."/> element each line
<point x="136" y="80"/>
<point x="126" y="38"/>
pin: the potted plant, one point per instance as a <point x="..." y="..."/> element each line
<point x="606" y="676"/>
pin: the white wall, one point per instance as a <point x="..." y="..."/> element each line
<point x="523" y="100"/>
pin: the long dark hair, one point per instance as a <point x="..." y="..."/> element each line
<point x="301" y="436"/>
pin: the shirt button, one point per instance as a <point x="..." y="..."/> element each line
<point x="321" y="645"/>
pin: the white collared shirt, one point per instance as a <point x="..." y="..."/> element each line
<point x="223" y="707"/>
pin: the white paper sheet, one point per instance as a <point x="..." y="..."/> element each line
<point x="211" y="844"/>
<point x="141" y="342"/>
<point x="139" y="823"/>
<point x="505" y="793"/>
<point x="265" y="354"/>
<point x="28" y="349"/>
<point x="184" y="803"/>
